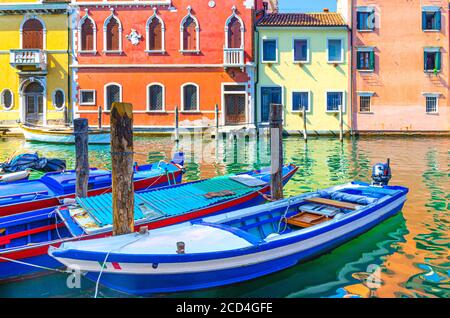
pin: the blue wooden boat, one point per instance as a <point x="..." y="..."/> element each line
<point x="25" y="237"/>
<point x="233" y="247"/>
<point x="51" y="189"/>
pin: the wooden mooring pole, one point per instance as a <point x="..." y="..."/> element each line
<point x="217" y="120"/>
<point x="80" y="128"/>
<point x="177" y="118"/>
<point x="276" y="151"/>
<point x="122" y="167"/>
<point x="100" y="110"/>
<point x="341" y="124"/>
<point x="305" y="133"/>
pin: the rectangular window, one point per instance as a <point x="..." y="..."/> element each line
<point x="301" y="51"/>
<point x="335" y="100"/>
<point x="431" y="104"/>
<point x="335" y="51"/>
<point x="87" y="97"/>
<point x="432" y="61"/>
<point x="365" y="60"/>
<point x="364" y="104"/>
<point x="431" y="20"/>
<point x="365" y="20"/>
<point x="300" y="100"/>
<point x="269" y="50"/>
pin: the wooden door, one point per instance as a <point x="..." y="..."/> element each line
<point x="235" y="109"/>
<point x="32" y="35"/>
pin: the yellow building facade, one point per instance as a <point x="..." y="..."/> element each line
<point x="34" y="62"/>
<point x="304" y="62"/>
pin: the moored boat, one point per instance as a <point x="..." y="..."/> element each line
<point x="63" y="135"/>
<point x="52" y="188"/>
<point x="236" y="246"/>
<point x="26" y="237"/>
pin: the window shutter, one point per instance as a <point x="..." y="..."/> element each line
<point x="372" y="20"/>
<point x="32" y="36"/>
<point x="425" y="61"/>
<point x="87" y="36"/>
<point x="424" y="20"/>
<point x="112" y="35"/>
<point x="358" y="21"/>
<point x="234" y="34"/>
<point x="189" y="35"/>
<point x="438" y="20"/>
<point x="155" y="35"/>
<point x="438" y="61"/>
<point x="372" y="60"/>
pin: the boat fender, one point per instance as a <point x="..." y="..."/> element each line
<point x="339" y="216"/>
<point x="69" y="201"/>
<point x="15" y="176"/>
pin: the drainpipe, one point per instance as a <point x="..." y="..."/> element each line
<point x="256" y="57"/>
<point x="69" y="85"/>
<point x="352" y="86"/>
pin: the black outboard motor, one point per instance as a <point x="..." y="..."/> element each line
<point x="381" y="174"/>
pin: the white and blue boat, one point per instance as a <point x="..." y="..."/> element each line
<point x="235" y="246"/>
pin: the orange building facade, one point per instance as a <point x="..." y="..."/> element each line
<point x="163" y="55"/>
<point x="400" y="65"/>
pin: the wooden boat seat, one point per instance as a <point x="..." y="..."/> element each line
<point x="3" y="131"/>
<point x="306" y="219"/>
<point x="337" y="204"/>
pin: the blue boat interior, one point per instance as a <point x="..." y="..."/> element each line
<point x="176" y="200"/>
<point x="63" y="183"/>
<point x="315" y="208"/>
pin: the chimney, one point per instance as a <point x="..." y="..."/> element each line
<point x="326" y="10"/>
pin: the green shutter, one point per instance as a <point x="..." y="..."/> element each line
<point x="438" y="20"/>
<point x="424" y="20"/>
<point x="438" y="61"/>
<point x="372" y="60"/>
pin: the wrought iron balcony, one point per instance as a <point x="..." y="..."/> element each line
<point x="233" y="57"/>
<point x="25" y="58"/>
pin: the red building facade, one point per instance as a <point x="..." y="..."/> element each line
<point x="166" y="54"/>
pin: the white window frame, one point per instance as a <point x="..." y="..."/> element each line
<point x="365" y="94"/>
<point x="342" y="60"/>
<point x="227" y="22"/>
<point x="80" y="38"/>
<point x="224" y="93"/>
<point x="197" y="110"/>
<point x="105" y="91"/>
<point x="2" y="102"/>
<point x="292" y="101"/>
<point x="105" y="31"/>
<point x="432" y="95"/>
<point x="88" y="103"/>
<point x="197" y="31"/>
<point x="163" y="98"/>
<point x="276" y="50"/>
<point x="344" y="101"/>
<point x="163" y="33"/>
<point x="308" y="52"/>
<point x="364" y="9"/>
<point x="53" y="99"/>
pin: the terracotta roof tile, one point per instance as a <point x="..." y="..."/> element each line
<point x="328" y="19"/>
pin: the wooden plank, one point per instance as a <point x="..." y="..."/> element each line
<point x="80" y="127"/>
<point x="276" y="151"/>
<point x="337" y="204"/>
<point x="306" y="219"/>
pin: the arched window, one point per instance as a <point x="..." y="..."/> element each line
<point x="155" y="33"/>
<point x="112" y="34"/>
<point x="155" y="97"/>
<point x="87" y="34"/>
<point x="190" y="41"/>
<point x="58" y="99"/>
<point x="190" y="97"/>
<point x="33" y="34"/>
<point x="234" y="31"/>
<point x="7" y="99"/>
<point x="113" y="93"/>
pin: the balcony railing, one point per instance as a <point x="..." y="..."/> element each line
<point x="36" y="58"/>
<point x="233" y="57"/>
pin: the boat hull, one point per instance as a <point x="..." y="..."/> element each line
<point x="29" y="254"/>
<point x="224" y="271"/>
<point x="59" y="137"/>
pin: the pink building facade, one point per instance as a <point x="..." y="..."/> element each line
<point x="400" y="79"/>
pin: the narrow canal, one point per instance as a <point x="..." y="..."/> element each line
<point x="405" y="256"/>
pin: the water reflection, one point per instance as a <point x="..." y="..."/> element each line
<point x="410" y="249"/>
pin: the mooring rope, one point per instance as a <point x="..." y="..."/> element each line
<point x="35" y="265"/>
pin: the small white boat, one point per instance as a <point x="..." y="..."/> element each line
<point x="62" y="135"/>
<point x="236" y="246"/>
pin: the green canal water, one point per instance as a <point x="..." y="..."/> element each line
<point x="405" y="256"/>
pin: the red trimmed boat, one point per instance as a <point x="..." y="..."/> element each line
<point x="25" y="238"/>
<point x="52" y="188"/>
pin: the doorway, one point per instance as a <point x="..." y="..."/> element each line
<point x="34" y="103"/>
